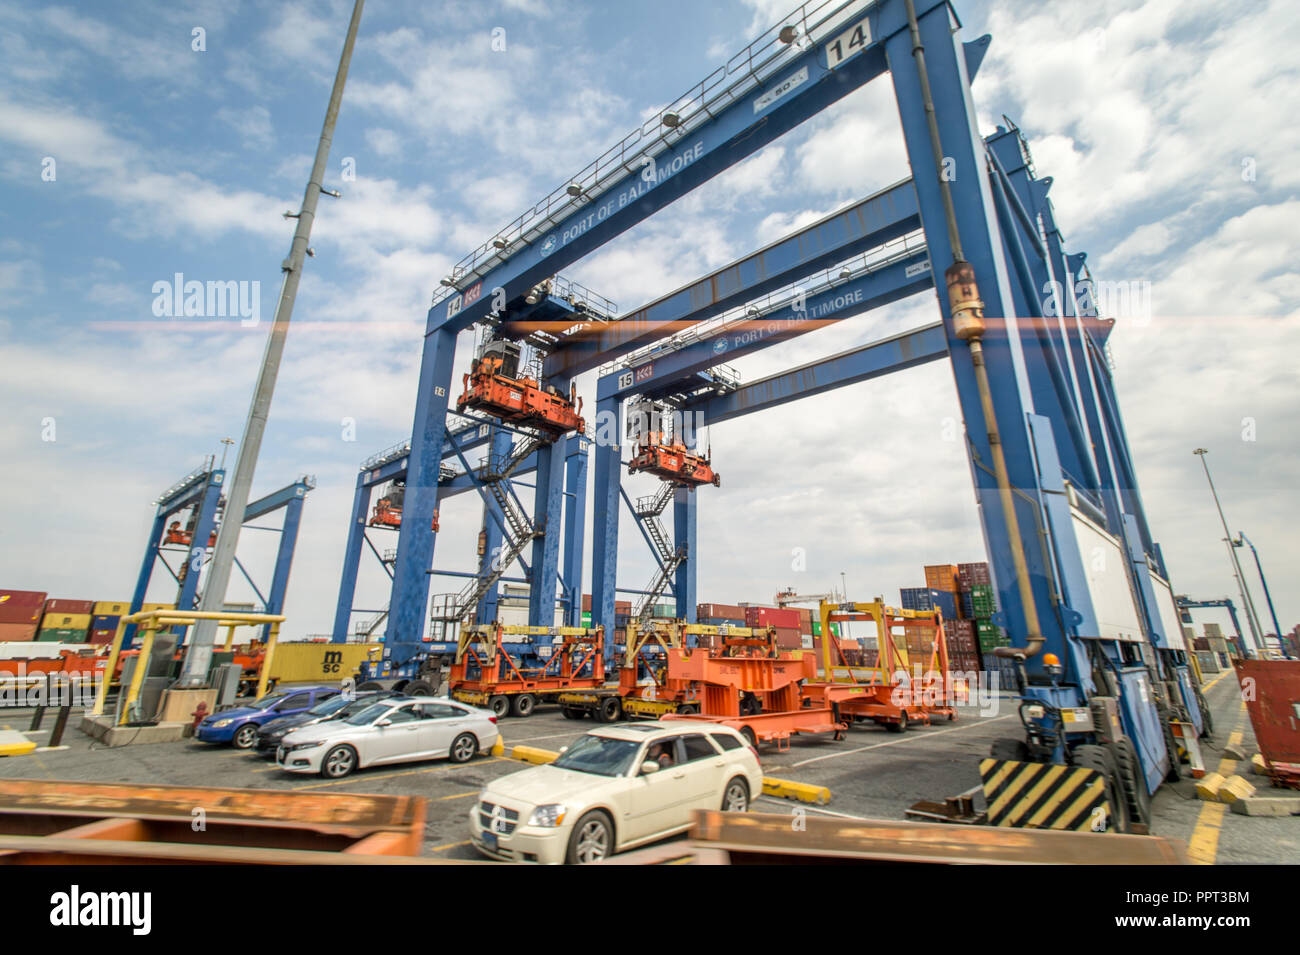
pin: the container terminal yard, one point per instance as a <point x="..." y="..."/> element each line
<point x="587" y="693"/>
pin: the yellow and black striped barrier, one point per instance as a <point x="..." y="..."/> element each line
<point x="1044" y="796"/>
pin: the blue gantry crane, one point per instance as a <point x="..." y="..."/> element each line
<point x="1102" y="665"/>
<point x="185" y="522"/>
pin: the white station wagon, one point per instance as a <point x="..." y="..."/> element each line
<point x="398" y="729"/>
<point x="615" y="788"/>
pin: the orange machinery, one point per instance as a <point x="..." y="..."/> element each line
<point x="484" y="674"/>
<point x="179" y="535"/>
<point x="388" y="509"/>
<point x="495" y="385"/>
<point x="749" y="685"/>
<point x="662" y="454"/>
<point x="902" y="684"/>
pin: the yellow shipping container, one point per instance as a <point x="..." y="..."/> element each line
<point x="170" y="606"/>
<point x="112" y="608"/>
<point x="317" y="662"/>
<point x="65" y="621"/>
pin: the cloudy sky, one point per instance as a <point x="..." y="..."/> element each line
<point x="127" y="156"/>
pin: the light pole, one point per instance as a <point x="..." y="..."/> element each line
<point x="1232" y="554"/>
<point x="1277" y="629"/>
<point x="199" y="653"/>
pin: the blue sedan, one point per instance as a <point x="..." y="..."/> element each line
<point x="239" y="726"/>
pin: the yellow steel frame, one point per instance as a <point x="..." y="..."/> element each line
<point x="151" y="621"/>
<point x="876" y="611"/>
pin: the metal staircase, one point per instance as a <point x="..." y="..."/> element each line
<point x="367" y="628"/>
<point x="647" y="510"/>
<point x="495" y="472"/>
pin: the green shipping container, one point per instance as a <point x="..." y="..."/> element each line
<point x="586" y="620"/>
<point x="61" y="635"/>
<point x="817" y="628"/>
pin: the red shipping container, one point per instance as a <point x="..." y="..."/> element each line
<point x="101" y="637"/>
<point x="17" y="632"/>
<point x="772" y="617"/>
<point x="973" y="575"/>
<point x="21" y="606"/>
<point x="586" y="603"/>
<point x="941" y="577"/>
<point x="622" y="606"/>
<point x="789" y="638"/>
<point x="70" y="606"/>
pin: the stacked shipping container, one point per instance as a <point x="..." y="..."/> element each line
<point x="963" y="594"/>
<point x="20" y="614"/>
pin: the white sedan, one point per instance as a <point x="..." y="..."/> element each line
<point x="400" y="729"/>
<point x="615" y="788"/>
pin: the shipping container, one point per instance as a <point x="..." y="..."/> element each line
<point x="945" y="602"/>
<point x="586" y="603"/>
<point x="65" y="621"/>
<point x="916" y="598"/>
<point x="21" y="606"/>
<point x="101" y="637"/>
<point x="970" y="575"/>
<point x="70" y="606"/>
<point x="721" y="622"/>
<point x="61" y="635"/>
<point x="720" y="611"/>
<point x="104" y="621"/>
<point x="941" y="577"/>
<point x="789" y="638"/>
<point x="110" y="607"/>
<point x="24" y="632"/>
<point x="787" y="618"/>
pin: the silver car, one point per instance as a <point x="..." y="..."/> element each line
<point x="395" y="730"/>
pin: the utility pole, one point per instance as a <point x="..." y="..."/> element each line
<point x="1232" y="554"/>
<point x="199" y="653"/>
<point x="1277" y="628"/>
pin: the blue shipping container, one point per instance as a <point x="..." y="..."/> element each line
<point x="945" y="603"/>
<point x="916" y="598"/>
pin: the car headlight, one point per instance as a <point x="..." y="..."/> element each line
<point x="548" y="816"/>
<point x="294" y="747"/>
<point x="220" y="723"/>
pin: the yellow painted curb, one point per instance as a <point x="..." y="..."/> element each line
<point x="531" y="754"/>
<point x="804" y="792"/>
<point x="15" y="745"/>
<point x="499" y="747"/>
<point x="1209" y="785"/>
<point x="1258" y="766"/>
<point x="1235" y="788"/>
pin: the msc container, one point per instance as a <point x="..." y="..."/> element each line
<point x="70" y="606"/>
<point x="301" y="662"/>
<point x="970" y="575"/>
<point x="22" y="632"/>
<point x="65" y="621"/>
<point x="21" y="606"/>
<point x="941" y="577"/>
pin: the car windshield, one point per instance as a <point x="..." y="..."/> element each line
<point x="368" y="715"/>
<point x="599" y="755"/>
<point x="327" y="707"/>
<point x="352" y="708"/>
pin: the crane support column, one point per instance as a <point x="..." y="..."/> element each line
<point x="410" y="598"/>
<point x="575" y="524"/>
<point x="548" y="508"/>
<point x="351" y="559"/>
<point x="492" y="522"/>
<point x="605" y="504"/>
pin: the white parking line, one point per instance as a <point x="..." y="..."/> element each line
<point x="904" y="738"/>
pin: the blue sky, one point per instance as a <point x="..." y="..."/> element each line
<point x="168" y="160"/>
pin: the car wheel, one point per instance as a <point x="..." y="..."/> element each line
<point x="245" y="736"/>
<point x="572" y="712"/>
<point x="736" y="796"/>
<point x="338" y="762"/>
<point x="523" y="705"/>
<point x="592" y="839"/>
<point x="499" y="705"/>
<point x="463" y="748"/>
<point x="611" y="708"/>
